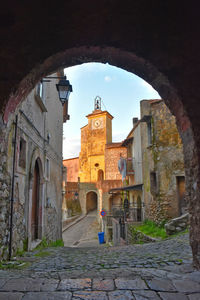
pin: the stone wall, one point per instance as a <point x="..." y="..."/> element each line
<point x="177" y="225"/>
<point x="85" y="188"/>
<point x="5" y="185"/>
<point x="35" y="141"/>
<point x="112" y="156"/>
<point x="163" y="161"/>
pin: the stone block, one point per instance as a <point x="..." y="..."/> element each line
<point x="89" y="295"/>
<point x="103" y="285"/>
<point x="75" y="284"/>
<point x="120" y="295"/>
<point x="141" y="295"/>
<point x="48" y="296"/>
<point x="23" y="284"/>
<point x="182" y="225"/>
<point x="186" y="286"/>
<point x="194" y="296"/>
<point x="178" y="229"/>
<point x="161" y="285"/>
<point x="2" y="281"/>
<point x="173" y="296"/>
<point x="49" y="285"/>
<point x="11" y="296"/>
<point x="130" y="284"/>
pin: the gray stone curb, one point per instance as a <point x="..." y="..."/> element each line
<point x="73" y="223"/>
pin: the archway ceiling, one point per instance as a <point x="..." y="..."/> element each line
<point x="162" y="33"/>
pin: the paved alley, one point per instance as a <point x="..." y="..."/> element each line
<point x="83" y="233"/>
<point x="160" y="270"/>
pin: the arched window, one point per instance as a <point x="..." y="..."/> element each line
<point x="100" y="175"/>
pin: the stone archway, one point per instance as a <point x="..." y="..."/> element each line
<point x="91" y="202"/>
<point x="148" y="39"/>
<point x="35" y="203"/>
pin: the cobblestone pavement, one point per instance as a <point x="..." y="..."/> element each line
<point x="160" y="270"/>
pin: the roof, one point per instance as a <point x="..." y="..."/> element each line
<point x="136" y="187"/>
<point x="127" y="141"/>
<point x="70" y="158"/>
<point x="114" y="145"/>
<point x="99" y="112"/>
<point x="155" y="100"/>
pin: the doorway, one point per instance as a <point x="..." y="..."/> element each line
<point x="91" y="202"/>
<point x="35" y="204"/>
<point x="139" y="209"/>
<point x="180" y="181"/>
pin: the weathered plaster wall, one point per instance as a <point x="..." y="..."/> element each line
<point x="164" y="157"/>
<point x="72" y="170"/>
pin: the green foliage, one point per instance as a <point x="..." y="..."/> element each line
<point x="25" y="244"/>
<point x="57" y="243"/>
<point x="150" y="228"/>
<point x="44" y="244"/>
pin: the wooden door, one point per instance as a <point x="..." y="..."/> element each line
<point x="139" y="209"/>
<point x="181" y="194"/>
<point x="35" y="203"/>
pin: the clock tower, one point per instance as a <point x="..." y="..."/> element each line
<point x="94" y="136"/>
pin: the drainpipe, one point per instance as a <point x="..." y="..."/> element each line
<point x="12" y="191"/>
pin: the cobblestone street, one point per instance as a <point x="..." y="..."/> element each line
<point x="161" y="270"/>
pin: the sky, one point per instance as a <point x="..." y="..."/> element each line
<point x="120" y="91"/>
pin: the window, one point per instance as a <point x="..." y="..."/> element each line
<point x="22" y="153"/>
<point x="100" y="175"/>
<point x="153" y="182"/>
<point x="40" y="90"/>
<point x="47" y="169"/>
<point x="149" y="133"/>
<point x="40" y="96"/>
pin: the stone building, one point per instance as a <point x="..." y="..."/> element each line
<point x="98" y="162"/>
<point x="37" y="172"/>
<point x="163" y="162"/>
<point x="157" y="189"/>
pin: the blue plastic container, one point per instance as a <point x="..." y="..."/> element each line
<point x="101" y="237"/>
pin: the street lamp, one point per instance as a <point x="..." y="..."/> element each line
<point x="64" y="89"/>
<point x="76" y="195"/>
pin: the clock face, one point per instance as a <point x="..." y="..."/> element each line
<point x="97" y="123"/>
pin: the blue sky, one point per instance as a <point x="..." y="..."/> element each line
<point x="120" y="91"/>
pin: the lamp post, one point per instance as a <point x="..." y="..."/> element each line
<point x="64" y="89"/>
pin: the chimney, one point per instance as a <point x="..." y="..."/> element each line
<point x="135" y="120"/>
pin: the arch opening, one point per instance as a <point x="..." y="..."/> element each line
<point x="35" y="203"/>
<point x="145" y="70"/>
<point x="91" y="202"/>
